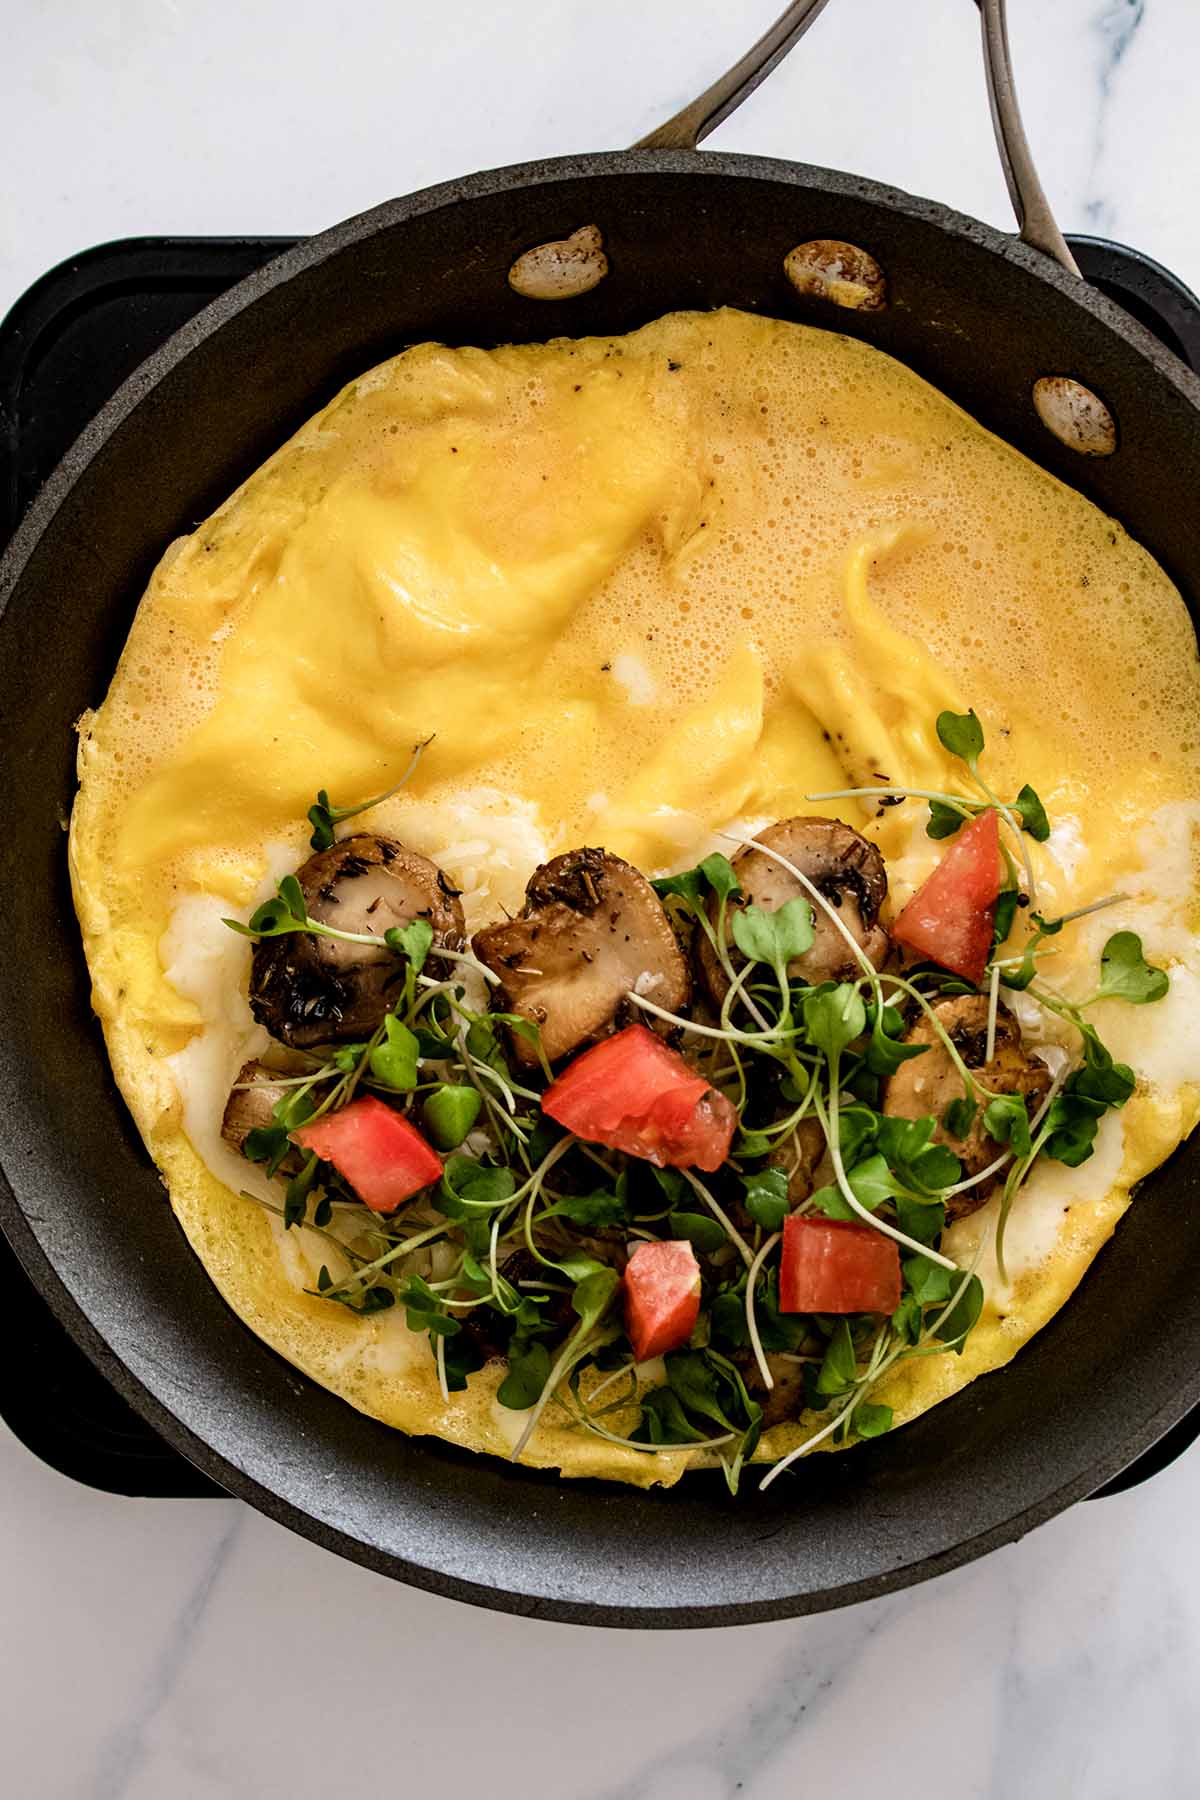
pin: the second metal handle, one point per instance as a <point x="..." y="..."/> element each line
<point x="688" y="128"/>
<point x="1035" y="221"/>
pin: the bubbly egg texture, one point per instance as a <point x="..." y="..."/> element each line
<point x="639" y="592"/>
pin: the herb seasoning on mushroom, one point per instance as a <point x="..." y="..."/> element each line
<point x="592" y="929"/>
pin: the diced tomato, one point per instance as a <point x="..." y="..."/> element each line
<point x="382" y="1156"/>
<point x="951" y="918"/>
<point x="832" y="1266"/>
<point x="634" y="1094"/>
<point x="662" y="1297"/>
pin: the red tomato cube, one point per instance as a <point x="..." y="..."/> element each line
<point x="662" y="1297"/>
<point x="832" y="1266"/>
<point x="633" y="1093"/>
<point x="382" y="1156"/>
<point x="951" y="918"/>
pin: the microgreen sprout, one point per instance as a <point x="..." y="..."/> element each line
<point x="516" y="1250"/>
<point x="962" y="735"/>
<point x="323" y="815"/>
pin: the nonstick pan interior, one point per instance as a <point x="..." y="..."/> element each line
<point x="977" y="315"/>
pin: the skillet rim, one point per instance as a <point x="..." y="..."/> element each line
<point x="39" y="520"/>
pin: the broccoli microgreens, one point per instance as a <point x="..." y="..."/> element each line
<point x="323" y="815"/>
<point x="1078" y="1103"/>
<point x="962" y="735"/>
<point x="511" y="1252"/>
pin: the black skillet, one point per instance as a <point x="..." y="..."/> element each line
<point x="980" y="315"/>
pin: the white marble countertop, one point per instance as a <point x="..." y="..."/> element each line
<point x="165" y="1650"/>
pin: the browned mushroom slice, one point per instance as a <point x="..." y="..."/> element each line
<point x="800" y="1154"/>
<point x="845" y="869"/>
<point x="592" y="928"/>
<point x="926" y="1085"/>
<point x="785" y="1400"/>
<point x="249" y="1108"/>
<point x="318" y="990"/>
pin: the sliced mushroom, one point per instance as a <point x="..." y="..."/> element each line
<point x="800" y="1153"/>
<point x="926" y="1085"/>
<point x="592" y="929"/>
<point x="249" y="1108"/>
<point x="845" y="869"/>
<point x="318" y="990"/>
<point x="786" y="1399"/>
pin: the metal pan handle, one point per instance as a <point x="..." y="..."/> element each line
<point x="688" y="128"/>
<point x="1035" y="221"/>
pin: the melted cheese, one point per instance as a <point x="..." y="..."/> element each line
<point x="638" y="590"/>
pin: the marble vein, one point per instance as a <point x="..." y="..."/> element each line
<point x="118" y="1762"/>
<point x="1114" y="28"/>
<point x="734" y="1754"/>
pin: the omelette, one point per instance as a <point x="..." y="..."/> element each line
<point x="642" y="894"/>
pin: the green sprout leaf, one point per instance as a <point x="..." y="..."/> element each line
<point x="963" y="1315"/>
<point x="1007" y="902"/>
<point x="1032" y="814"/>
<point x="869" y="1420"/>
<point x="718" y="871"/>
<point x="274" y="918"/>
<point x="839" y="1369"/>
<point x="413" y="941"/>
<point x="394" y="1061"/>
<point x="774" y="937"/>
<point x="908" y="1319"/>
<point x="320" y="817"/>
<point x="870" y="1182"/>
<point x="449" y="1113"/>
<point x="528" y="1371"/>
<point x="593" y="1211"/>
<point x="857" y="1126"/>
<point x="1021" y="976"/>
<point x="664" y="1420"/>
<point x="834" y="1017"/>
<point x="1100" y="1077"/>
<point x="293" y="1110"/>
<point x="1073" y="1127"/>
<point x="715" y="873"/>
<point x="767" y="1198"/>
<point x="324" y="815"/>
<point x="924" y="1220"/>
<point x="944" y="820"/>
<point x="267" y="1144"/>
<point x="295" y="1203"/>
<point x="886" y="1053"/>
<point x="1126" y="975"/>
<point x="927" y="1282"/>
<point x="577" y="1265"/>
<point x="461" y="1357"/>
<point x="672" y="1185"/>
<point x="592" y="1295"/>
<point x="424" y="1311"/>
<point x="962" y="735"/>
<point x="1075" y="1113"/>
<point x="700" y="1229"/>
<point x="913" y="1158"/>
<point x="692" y="1378"/>
<point x="688" y="885"/>
<point x="959" y="1116"/>
<point x="471" y="1189"/>
<point x="1007" y="1119"/>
